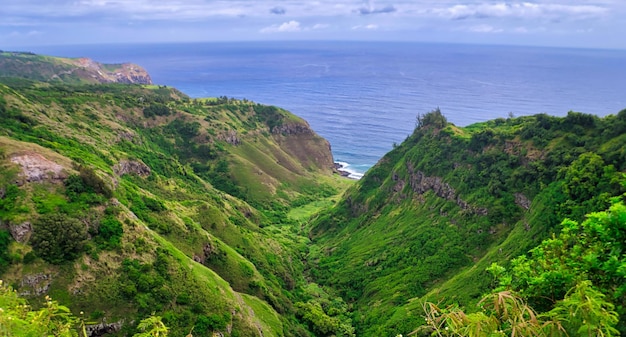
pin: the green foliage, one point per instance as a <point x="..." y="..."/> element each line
<point x="10" y="201"/>
<point x="17" y="318"/>
<point x="5" y="240"/>
<point x="156" y="110"/>
<point x="588" y="184"/>
<point x="220" y="177"/>
<point x="206" y="325"/>
<point x="434" y="119"/>
<point x="58" y="238"/>
<point x="442" y="206"/>
<point x="588" y="251"/>
<point x="583" y="312"/>
<point x="110" y="232"/>
<point x="152" y="327"/>
<point x="84" y="186"/>
<point x="325" y="315"/>
<point x="97" y="126"/>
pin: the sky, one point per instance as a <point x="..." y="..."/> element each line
<point x="562" y="23"/>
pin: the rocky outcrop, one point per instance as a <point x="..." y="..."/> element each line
<point x="102" y="329"/>
<point x="36" y="167"/>
<point x="292" y="129"/>
<point x="79" y="70"/>
<point x="131" y="167"/>
<point x="420" y="183"/>
<point x="21" y="232"/>
<point x="35" y="285"/>
<point x="230" y="137"/>
<point x="522" y="201"/>
<point x="119" y="73"/>
<point x="208" y="250"/>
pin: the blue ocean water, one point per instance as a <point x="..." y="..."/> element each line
<point x="364" y="96"/>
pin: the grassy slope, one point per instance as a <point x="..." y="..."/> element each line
<point x="57" y="69"/>
<point x="400" y="235"/>
<point x="98" y="126"/>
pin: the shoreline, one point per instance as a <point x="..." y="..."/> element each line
<point x="340" y="168"/>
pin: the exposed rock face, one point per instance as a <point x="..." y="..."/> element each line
<point x="126" y="135"/>
<point x="35" y="285"/>
<point x="20" y="232"/>
<point x="207" y="251"/>
<point x="292" y="129"/>
<point x="131" y="167"/>
<point x="80" y="70"/>
<point x="301" y="142"/>
<point x="522" y="201"/>
<point x="421" y="184"/>
<point x="230" y="137"/>
<point x="102" y="329"/>
<point x="123" y="73"/>
<point x="36" y="167"/>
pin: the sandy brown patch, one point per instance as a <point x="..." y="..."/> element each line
<point x="36" y="167"/>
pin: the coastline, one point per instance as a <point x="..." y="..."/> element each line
<point x="342" y="169"/>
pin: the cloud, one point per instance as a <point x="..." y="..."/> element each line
<point x="278" y="11"/>
<point x="485" y="29"/>
<point x="290" y="26"/>
<point x="371" y="26"/>
<point x="370" y="10"/>
<point x="320" y="26"/>
<point x="523" y="10"/>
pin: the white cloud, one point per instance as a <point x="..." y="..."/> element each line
<point x="371" y="26"/>
<point x="523" y="10"/>
<point x="320" y="26"/>
<point x="290" y="26"/>
<point x="203" y="20"/>
<point x="485" y="29"/>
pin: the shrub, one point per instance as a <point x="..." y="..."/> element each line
<point x="58" y="238"/>
<point x="156" y="110"/>
<point x="5" y="239"/>
<point x="110" y="233"/>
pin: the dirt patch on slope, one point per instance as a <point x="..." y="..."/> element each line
<point x="36" y="167"/>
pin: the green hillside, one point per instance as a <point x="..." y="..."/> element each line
<point x="124" y="200"/>
<point x="65" y="70"/>
<point x="434" y="213"/>
<point x="130" y="204"/>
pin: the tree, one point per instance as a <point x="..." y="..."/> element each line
<point x="434" y="118"/>
<point x="58" y="238"/>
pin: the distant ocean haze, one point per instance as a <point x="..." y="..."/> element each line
<point x="364" y="96"/>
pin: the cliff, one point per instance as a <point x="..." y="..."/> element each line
<point x="80" y="70"/>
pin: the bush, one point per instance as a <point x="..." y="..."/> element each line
<point x="156" y="110"/>
<point x="86" y="182"/>
<point x="110" y="232"/>
<point x="5" y="239"/>
<point x="58" y="238"/>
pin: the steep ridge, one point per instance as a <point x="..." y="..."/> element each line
<point x="174" y="206"/>
<point x="437" y="210"/>
<point x="79" y="70"/>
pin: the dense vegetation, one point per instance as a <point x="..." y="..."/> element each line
<point x="160" y="204"/>
<point x="141" y="208"/>
<point x="437" y="210"/>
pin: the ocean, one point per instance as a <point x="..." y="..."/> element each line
<point x="364" y="96"/>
